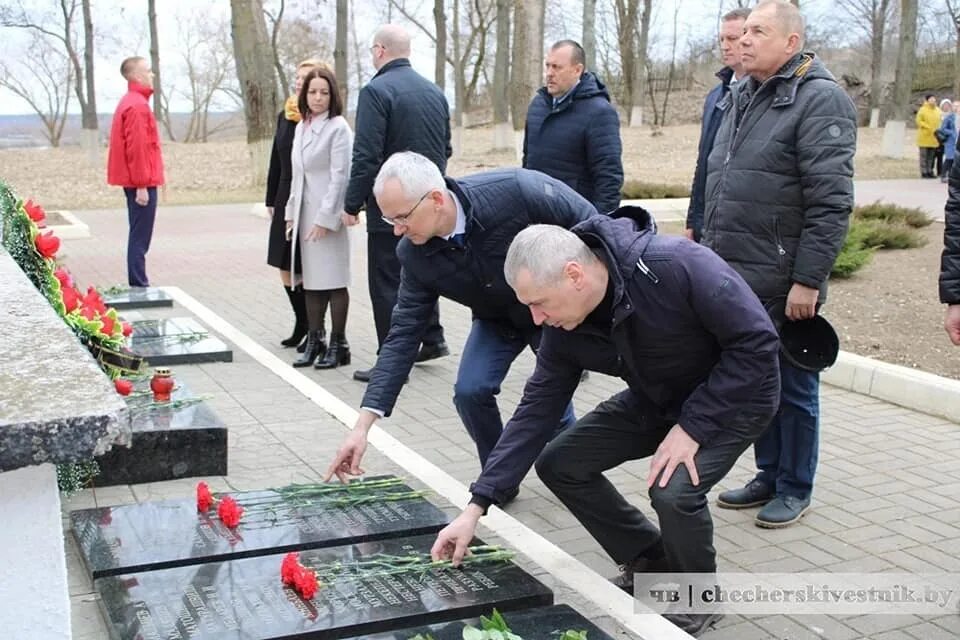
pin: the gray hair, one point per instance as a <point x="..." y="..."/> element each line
<point x="415" y="173"/>
<point x="788" y="17"/>
<point x="543" y="250"/>
<point x="740" y="13"/>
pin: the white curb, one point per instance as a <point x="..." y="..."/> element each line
<point x="72" y="230"/>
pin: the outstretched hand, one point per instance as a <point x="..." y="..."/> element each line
<point x="454" y="539"/>
<point x="347" y="461"/>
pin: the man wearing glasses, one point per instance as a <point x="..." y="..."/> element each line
<point x="398" y="110"/>
<point x="455" y="238"/>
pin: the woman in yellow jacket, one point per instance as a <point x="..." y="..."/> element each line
<point x="928" y="121"/>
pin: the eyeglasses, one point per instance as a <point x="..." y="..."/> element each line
<point x="404" y="218"/>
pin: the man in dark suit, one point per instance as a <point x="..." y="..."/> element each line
<point x="398" y="110"/>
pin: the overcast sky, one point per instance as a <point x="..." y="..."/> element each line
<point x="122" y="29"/>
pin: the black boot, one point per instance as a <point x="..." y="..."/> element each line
<point x="312" y="351"/>
<point x="337" y="354"/>
<point x="300" y="313"/>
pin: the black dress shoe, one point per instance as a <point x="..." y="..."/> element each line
<point x="363" y="375"/>
<point x="655" y="563"/>
<point x="432" y="352"/>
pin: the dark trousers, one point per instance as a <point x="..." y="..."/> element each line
<point x="383" y="280"/>
<point x="487" y="355"/>
<point x="938" y="163"/>
<point x="141" y="219"/>
<point x="788" y="450"/>
<point x="928" y="156"/>
<point x="623" y="428"/>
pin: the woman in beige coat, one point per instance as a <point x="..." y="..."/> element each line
<point x="322" y="146"/>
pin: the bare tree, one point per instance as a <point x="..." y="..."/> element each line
<point x="274" y="20"/>
<point x="42" y="79"/>
<point x="208" y="61"/>
<point x="160" y="104"/>
<point x="528" y="17"/>
<point x="340" y="49"/>
<point x="660" y="119"/>
<point x="440" y="59"/>
<point x="61" y="27"/>
<point x="953" y="10"/>
<point x="589" y="31"/>
<point x="633" y="29"/>
<point x="906" y="58"/>
<point x="89" y="115"/>
<point x="501" y="79"/>
<point x="870" y="17"/>
<point x="257" y="78"/>
<point x="640" y="67"/>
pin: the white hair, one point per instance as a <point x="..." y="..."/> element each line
<point x="415" y="173"/>
<point x="543" y="250"/>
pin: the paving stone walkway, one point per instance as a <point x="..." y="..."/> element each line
<point x="887" y="498"/>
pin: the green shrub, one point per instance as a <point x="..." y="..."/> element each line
<point x="881" y="235"/>
<point x="854" y="254"/>
<point x="893" y="214"/>
<point x="637" y="190"/>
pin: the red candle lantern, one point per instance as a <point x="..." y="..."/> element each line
<point x="161" y="384"/>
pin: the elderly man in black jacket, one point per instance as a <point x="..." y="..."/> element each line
<point x="398" y="110"/>
<point x="779" y="197"/>
<point x="455" y="236"/>
<point x="699" y="355"/>
<point x="572" y="131"/>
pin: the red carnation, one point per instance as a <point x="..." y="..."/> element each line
<point x="204" y="497"/>
<point x="290" y="568"/>
<point x="127" y="329"/>
<point x="34" y="211"/>
<point x="47" y="244"/>
<point x="123" y="387"/>
<point x="64" y="277"/>
<point x="306" y="583"/>
<point x="88" y="313"/>
<point x="229" y="512"/>
<point x="93" y="301"/>
<point x="71" y="299"/>
<point x="108" y="325"/>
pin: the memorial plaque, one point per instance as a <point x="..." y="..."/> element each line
<point x="245" y="599"/>
<point x="170" y="341"/>
<point x="175" y="440"/>
<point x="541" y="623"/>
<point x="138" y="297"/>
<point x="156" y="535"/>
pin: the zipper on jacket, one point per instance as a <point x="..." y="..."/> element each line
<point x="781" y="252"/>
<point x="645" y="270"/>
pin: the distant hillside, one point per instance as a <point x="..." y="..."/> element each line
<point x="27" y="130"/>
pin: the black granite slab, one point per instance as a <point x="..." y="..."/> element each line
<point x="245" y="599"/>
<point x="157" y="535"/>
<point x="56" y="404"/>
<point x="540" y="623"/>
<point x="167" y="442"/>
<point x="139" y="298"/>
<point x="177" y="341"/>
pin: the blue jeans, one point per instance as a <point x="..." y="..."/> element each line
<point x="788" y="450"/>
<point x="487" y="355"/>
<point x="141" y="218"/>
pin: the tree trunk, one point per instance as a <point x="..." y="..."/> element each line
<point x="589" y="43"/>
<point x="274" y="44"/>
<point x="440" y="60"/>
<point x="258" y="84"/>
<point x="640" y="67"/>
<point x="878" y="20"/>
<point x="527" y="58"/>
<point x="894" y="132"/>
<point x="90" y="114"/>
<point x="956" y="62"/>
<point x="340" y="50"/>
<point x="502" y="138"/>
<point x="159" y="107"/>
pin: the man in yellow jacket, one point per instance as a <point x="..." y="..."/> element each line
<point x="928" y="121"/>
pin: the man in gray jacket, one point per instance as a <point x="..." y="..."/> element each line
<point x="779" y="195"/>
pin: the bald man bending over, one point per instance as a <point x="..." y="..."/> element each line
<point x="398" y="110"/>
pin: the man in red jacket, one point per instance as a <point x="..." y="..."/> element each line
<point x="134" y="163"/>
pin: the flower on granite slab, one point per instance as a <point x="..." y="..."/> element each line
<point x="35" y="212"/>
<point x="127" y="329"/>
<point x="47" y="244"/>
<point x="123" y="387"/>
<point x="205" y="498"/>
<point x="63" y="276"/>
<point x="109" y="324"/>
<point x="94" y="301"/>
<point x="290" y="568"/>
<point x="306" y="583"/>
<point x="229" y="512"/>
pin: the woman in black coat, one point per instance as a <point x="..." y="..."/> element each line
<point x="278" y="191"/>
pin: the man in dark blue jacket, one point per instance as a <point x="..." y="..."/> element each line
<point x="699" y="355"/>
<point x="573" y="132"/>
<point x="716" y="104"/>
<point x="455" y="236"/>
<point x="398" y="110"/>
